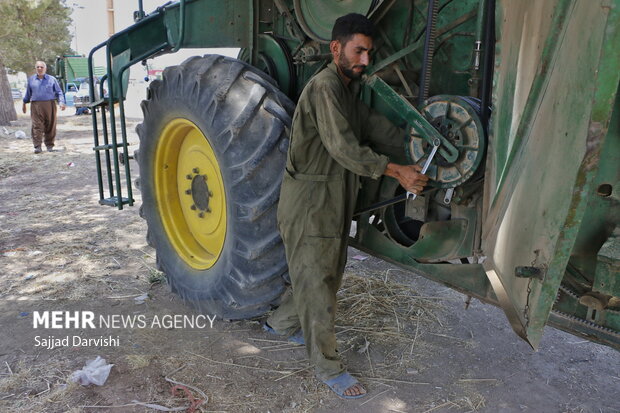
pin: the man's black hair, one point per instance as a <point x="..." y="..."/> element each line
<point x="351" y="24"/>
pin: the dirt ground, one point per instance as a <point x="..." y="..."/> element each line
<point x="409" y="340"/>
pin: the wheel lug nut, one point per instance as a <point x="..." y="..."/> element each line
<point x="208" y="209"/>
<point x="210" y="193"/>
<point x="188" y="177"/>
<point x="195" y="170"/>
<point x="188" y="191"/>
<point x="201" y="215"/>
<point x="193" y="207"/>
<point x="205" y="177"/>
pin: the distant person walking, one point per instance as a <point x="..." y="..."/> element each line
<point x="42" y="93"/>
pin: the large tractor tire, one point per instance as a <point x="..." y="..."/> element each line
<point x="212" y="152"/>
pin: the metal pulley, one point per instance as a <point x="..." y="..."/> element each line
<point x="274" y="58"/>
<point x="457" y="119"/>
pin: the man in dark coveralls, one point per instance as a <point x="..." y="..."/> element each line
<point x="335" y="139"/>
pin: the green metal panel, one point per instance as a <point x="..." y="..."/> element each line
<point x="596" y="252"/>
<point x="77" y="67"/>
<point x="212" y="23"/>
<point x="401" y="40"/>
<point x="550" y="120"/>
<point x="466" y="278"/>
<point x="205" y="23"/>
<point x="139" y="38"/>
<point x="99" y="71"/>
<point x="69" y="68"/>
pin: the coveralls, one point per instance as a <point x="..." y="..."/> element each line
<point x="330" y="147"/>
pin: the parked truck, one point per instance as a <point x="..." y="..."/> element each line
<point x="70" y="67"/>
<point x="72" y="72"/>
<point x="522" y="209"/>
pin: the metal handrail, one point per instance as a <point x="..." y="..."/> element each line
<point x="181" y="27"/>
<point x="123" y="127"/>
<point x="114" y="78"/>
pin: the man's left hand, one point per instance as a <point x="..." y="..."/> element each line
<point x="62" y="106"/>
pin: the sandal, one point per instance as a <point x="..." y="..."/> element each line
<point x="297" y="338"/>
<point x="340" y="384"/>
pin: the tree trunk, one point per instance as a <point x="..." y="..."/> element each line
<point x="7" y="107"/>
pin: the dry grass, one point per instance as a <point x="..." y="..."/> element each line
<point x="384" y="308"/>
<point x="472" y="402"/>
<point x="136" y="361"/>
<point x="8" y="168"/>
<point x="468" y="403"/>
<point x="376" y="311"/>
<point x="29" y="385"/>
<point x="18" y="162"/>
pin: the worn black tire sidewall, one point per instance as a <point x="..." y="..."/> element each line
<point x="210" y="291"/>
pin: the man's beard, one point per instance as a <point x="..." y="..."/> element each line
<point x="347" y="69"/>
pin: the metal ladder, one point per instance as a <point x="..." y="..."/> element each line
<point x="128" y="47"/>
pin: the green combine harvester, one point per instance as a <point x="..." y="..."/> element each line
<point x="69" y="69"/>
<point x="523" y="208"/>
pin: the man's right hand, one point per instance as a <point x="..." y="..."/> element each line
<point x="409" y="176"/>
<point x="24" y="107"/>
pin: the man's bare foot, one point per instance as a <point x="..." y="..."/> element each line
<point x="355" y="390"/>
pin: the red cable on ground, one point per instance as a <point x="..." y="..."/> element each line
<point x="194" y="402"/>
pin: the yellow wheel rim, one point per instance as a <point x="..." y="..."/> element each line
<point x="190" y="194"/>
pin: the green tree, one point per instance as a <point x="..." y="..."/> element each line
<point x="31" y="30"/>
<point x="7" y="109"/>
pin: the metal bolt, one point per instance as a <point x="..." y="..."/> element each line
<point x="201" y="215"/>
<point x="195" y="170"/>
<point x="188" y="177"/>
<point x="208" y="209"/>
<point x="193" y="207"/>
<point x="210" y="193"/>
<point x="188" y="191"/>
<point x="530" y="272"/>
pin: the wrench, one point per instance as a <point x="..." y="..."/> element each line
<point x="407" y="195"/>
<point x="436" y="143"/>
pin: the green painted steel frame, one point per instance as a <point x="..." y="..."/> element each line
<point x="164" y="31"/>
<point x="411" y="115"/>
<point x="238" y="23"/>
<point x="510" y="211"/>
<point x="469" y="279"/>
